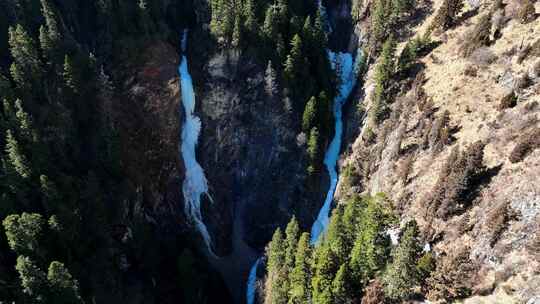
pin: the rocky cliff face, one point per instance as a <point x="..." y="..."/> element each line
<point x="150" y="130"/>
<point x="454" y="103"/>
<point x="249" y="150"/>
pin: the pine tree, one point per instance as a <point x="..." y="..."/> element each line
<point x="308" y="32"/>
<point x="300" y="276"/>
<point x="62" y="286"/>
<point x="527" y="12"/>
<point x="408" y="54"/>
<point x="25" y="68"/>
<point x="222" y="20"/>
<point x="291" y="240"/>
<point x="336" y="238"/>
<point x="49" y="192"/>
<point x="276" y="285"/>
<point x="250" y="19"/>
<point x="23" y="232"/>
<point x="383" y="75"/>
<point x="50" y="37"/>
<point x="319" y="33"/>
<point x="270" y="28"/>
<point x="356" y="10"/>
<point x="309" y="118"/>
<point x="70" y="77"/>
<point x="313" y="149"/>
<point x="402" y="6"/>
<point x="401" y="276"/>
<point x="25" y="122"/>
<point x="16" y="158"/>
<point x="270" y="81"/>
<point x="370" y="248"/>
<point x="294" y="65"/>
<point x="479" y="36"/>
<point x="351" y="219"/>
<point x="236" y="35"/>
<point x="324" y="270"/>
<point x="447" y="14"/>
<point x="33" y="279"/>
<point x="381" y="22"/>
<point x="341" y="291"/>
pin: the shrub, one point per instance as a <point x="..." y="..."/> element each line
<point x="536" y="69"/>
<point x="447" y="14"/>
<point x="522" y="82"/>
<point x="374" y="293"/>
<point x="497" y="221"/>
<point x="405" y="168"/>
<point x="527" y="12"/>
<point x="369" y="136"/>
<point x="483" y="56"/>
<point x="508" y="101"/>
<point x="451" y="280"/>
<point x="528" y="143"/>
<point x="459" y="178"/>
<point x="479" y="36"/>
<point x="425" y="265"/>
<point x="471" y="71"/>
<point x="440" y="132"/>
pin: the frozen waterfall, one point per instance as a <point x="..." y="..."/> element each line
<point x="195" y="183"/>
<point x="347" y="73"/>
<point x="251" y="284"/>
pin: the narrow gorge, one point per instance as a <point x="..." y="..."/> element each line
<point x="270" y="151"/>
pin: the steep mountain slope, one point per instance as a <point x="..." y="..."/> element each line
<point x="455" y="101"/>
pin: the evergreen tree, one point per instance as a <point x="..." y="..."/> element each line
<point x="310" y="114"/>
<point x="319" y="33"/>
<point x="49" y="192"/>
<point x="381" y="22"/>
<point x="300" y="276"/>
<point x="341" y="290"/>
<point x="50" y="37"/>
<point x="425" y="265"/>
<point x="25" y="68"/>
<point x="336" y="238"/>
<point x="70" y="77"/>
<point x="23" y="232"/>
<point x="250" y="19"/>
<point x="408" y="54"/>
<point x="63" y="287"/>
<point x="527" y="12"/>
<point x="270" y="81"/>
<point x="270" y="28"/>
<point x="383" y="75"/>
<point x="324" y="269"/>
<point x="294" y="65"/>
<point x="308" y="33"/>
<point x="25" y="122"/>
<point x="291" y="239"/>
<point x="222" y="21"/>
<point x="33" y="279"/>
<point x="401" y="276"/>
<point x="479" y="36"/>
<point x="236" y="35"/>
<point x="402" y="6"/>
<point x="276" y="286"/>
<point x="370" y="248"/>
<point x="356" y="10"/>
<point x="351" y="217"/>
<point x="313" y="149"/>
<point x="447" y="14"/>
<point x="16" y="158"/>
